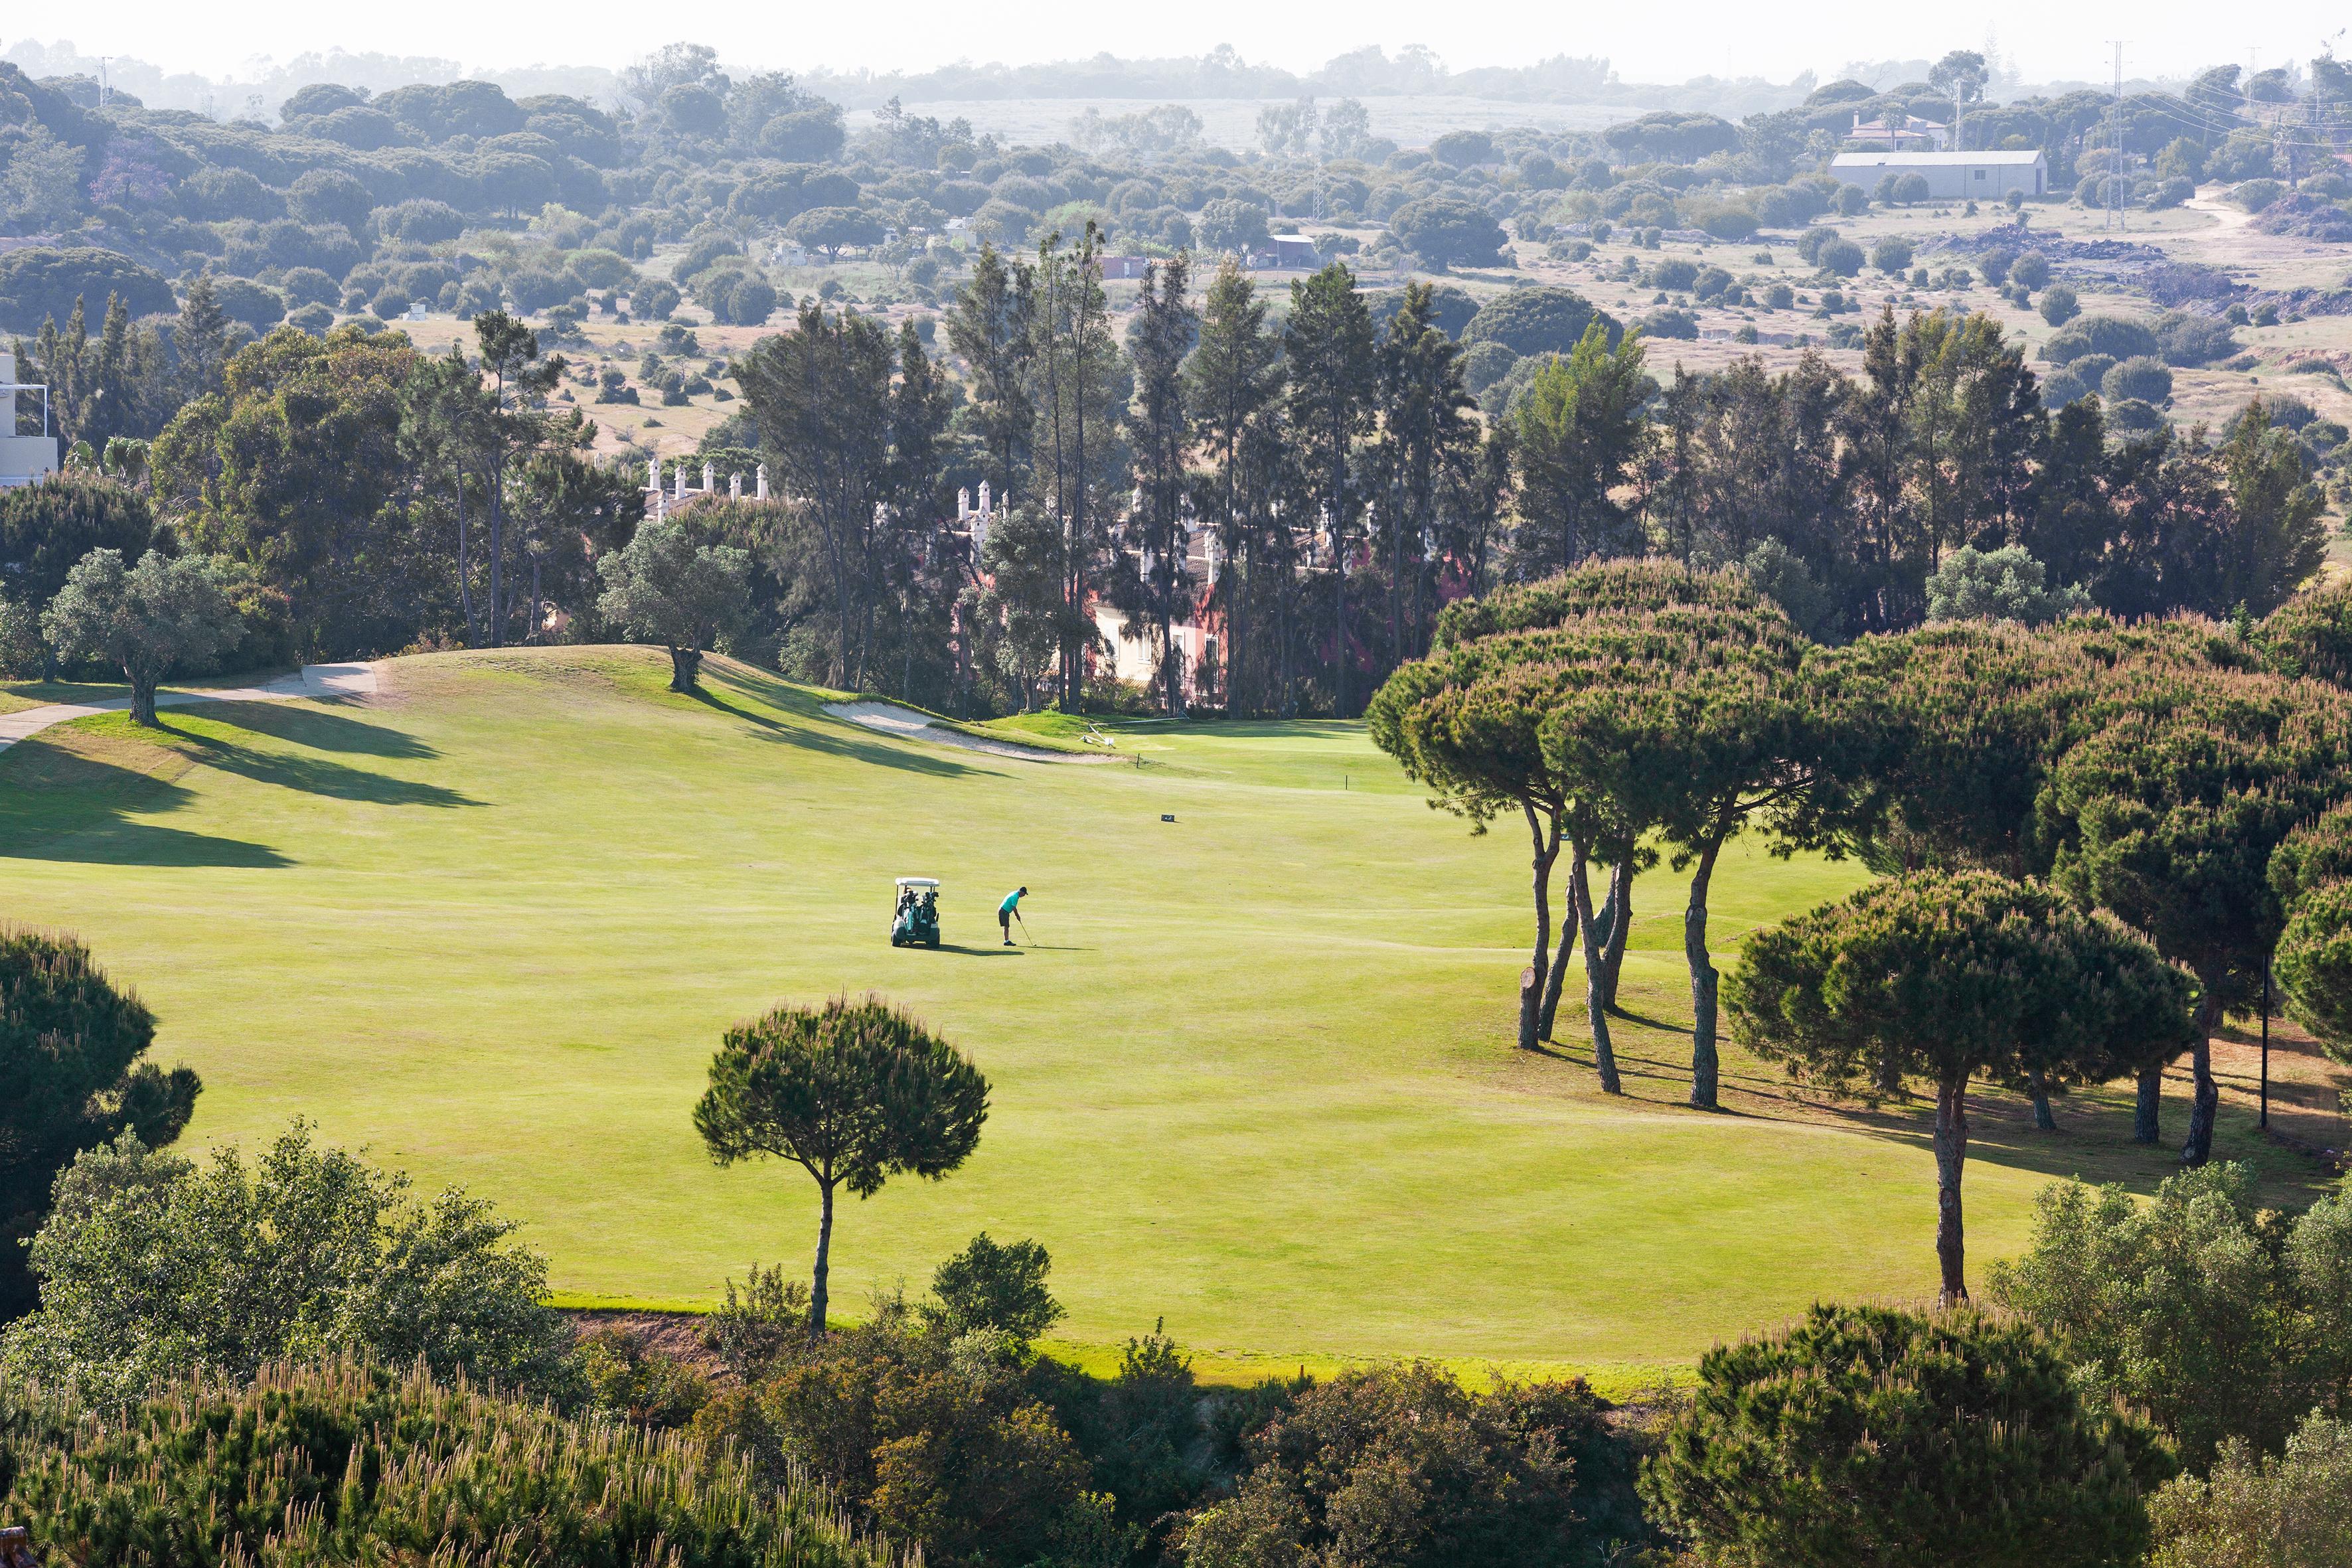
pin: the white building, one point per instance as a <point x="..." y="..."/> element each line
<point x="1950" y="176"/>
<point x="24" y="459"/>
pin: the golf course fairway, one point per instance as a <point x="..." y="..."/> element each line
<point x="1254" y="1076"/>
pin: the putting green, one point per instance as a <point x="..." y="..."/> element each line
<point x="1254" y="1076"/>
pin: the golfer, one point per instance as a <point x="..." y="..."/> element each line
<point x="1010" y="911"/>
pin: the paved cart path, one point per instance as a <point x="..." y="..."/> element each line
<point x="315" y="680"/>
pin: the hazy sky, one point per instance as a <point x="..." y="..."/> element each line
<point x="1645" y="42"/>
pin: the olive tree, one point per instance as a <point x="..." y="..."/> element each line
<point x="144" y="620"/>
<point x="2221" y="1318"/>
<point x="152" y="1267"/>
<point x="1952" y="977"/>
<point x="48" y="528"/>
<point x="667" y="588"/>
<point x="2293" y="1511"/>
<point x="854" y="1092"/>
<point x="1868" y="1437"/>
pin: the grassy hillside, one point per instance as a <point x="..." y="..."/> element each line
<point x="1254" y="1076"/>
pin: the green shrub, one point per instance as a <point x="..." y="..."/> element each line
<point x="1892" y="254"/>
<point x="628" y="1377"/>
<point x="1865" y="1438"/>
<point x="2111" y="335"/>
<point x="2059" y="305"/>
<point x="936" y="1439"/>
<point x="1676" y="274"/>
<point x="153" y="1267"/>
<point x="2293" y="1511"/>
<point x="1485" y="364"/>
<point x="994" y="1287"/>
<point x="2143" y="376"/>
<point x="2030" y="270"/>
<point x="2256" y="194"/>
<point x="2220" y="1319"/>
<point x="1839" y="257"/>
<point x="349" y="1464"/>
<point x="2004" y="584"/>
<point x="1536" y="321"/>
<point x="1401" y="1467"/>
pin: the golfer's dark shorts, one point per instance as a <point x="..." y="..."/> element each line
<point x="1004" y="920"/>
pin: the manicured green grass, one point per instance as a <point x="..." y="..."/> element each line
<point x="1255" y="1077"/>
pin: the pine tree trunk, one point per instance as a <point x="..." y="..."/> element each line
<point x="823" y="1262"/>
<point x="2148" y="1102"/>
<point x="1546" y="851"/>
<point x="1619" y="919"/>
<point x="1704" y="983"/>
<point x="1558" y="976"/>
<point x="2039" y="1088"/>
<point x="143" y="701"/>
<point x="498" y="558"/>
<point x="2206" y="1100"/>
<point x="1951" y="1156"/>
<point x="685" y="666"/>
<point x="1604" y="1050"/>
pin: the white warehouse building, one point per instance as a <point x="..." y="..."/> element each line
<point x="1950" y="176"/>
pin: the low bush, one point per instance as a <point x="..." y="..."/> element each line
<point x="351" y="1463"/>
<point x="1840" y="257"/>
<point x="2219" y="1317"/>
<point x="2111" y="335"/>
<point x="2292" y="1511"/>
<point x="153" y="1267"/>
<point x="2143" y="376"/>
<point x="1676" y="274"/>
<point x="1401" y="1466"/>
<point x="1868" y="1435"/>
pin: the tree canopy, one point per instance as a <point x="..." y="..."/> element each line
<point x="854" y="1092"/>
<point x="1869" y="1437"/>
<point x="1954" y="977"/>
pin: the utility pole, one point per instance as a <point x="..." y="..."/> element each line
<point x="2115" y="145"/>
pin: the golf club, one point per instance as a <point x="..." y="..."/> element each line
<point x="1024" y="929"/>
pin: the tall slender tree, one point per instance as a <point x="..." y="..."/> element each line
<point x="1231" y="382"/>
<point x="990" y="328"/>
<point x="1428" y="439"/>
<point x="1160" y="434"/>
<point x="854" y="1092"/>
<point x="1078" y="381"/>
<point x="517" y="380"/>
<point x="1581" y="436"/>
<point x="1334" y="374"/>
<point x="1953" y="977"/>
<point x="822" y="396"/>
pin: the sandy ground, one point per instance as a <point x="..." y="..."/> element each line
<point x="909" y="725"/>
<point x="315" y="680"/>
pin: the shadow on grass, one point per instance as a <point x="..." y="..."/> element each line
<point x="2093" y="1143"/>
<point x="69" y="807"/>
<point x="811" y="738"/>
<point x="308" y="775"/>
<point x="322" y="729"/>
<point x="959" y="949"/>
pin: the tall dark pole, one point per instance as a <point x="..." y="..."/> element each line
<point x="2267" y="1047"/>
